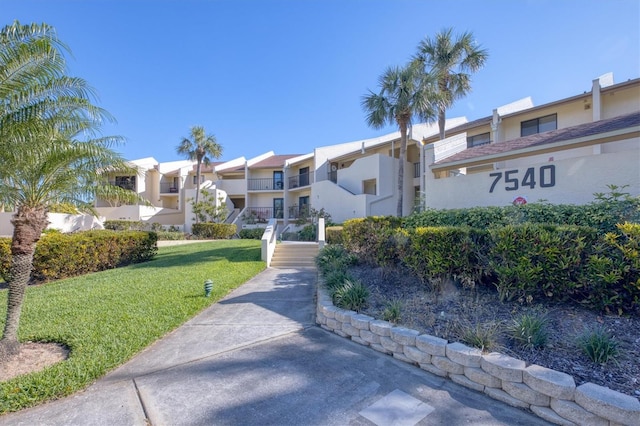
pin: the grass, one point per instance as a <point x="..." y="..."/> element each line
<point x="598" y="345"/>
<point x="107" y="317"/>
<point x="530" y="330"/>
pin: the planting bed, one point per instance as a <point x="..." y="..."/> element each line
<point x="441" y="316"/>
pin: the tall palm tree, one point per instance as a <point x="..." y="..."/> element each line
<point x="405" y="93"/>
<point x="46" y="150"/>
<point x="201" y="148"/>
<point x="450" y="61"/>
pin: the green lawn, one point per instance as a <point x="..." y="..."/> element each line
<point x="107" y="317"/>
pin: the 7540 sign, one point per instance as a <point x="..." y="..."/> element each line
<point x="545" y="178"/>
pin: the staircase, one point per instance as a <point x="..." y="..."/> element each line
<point x="294" y="255"/>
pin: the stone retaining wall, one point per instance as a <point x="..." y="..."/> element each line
<point x="549" y="394"/>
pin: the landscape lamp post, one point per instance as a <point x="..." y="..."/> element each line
<point x="208" y="286"/>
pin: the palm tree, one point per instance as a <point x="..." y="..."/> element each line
<point x="405" y="93"/>
<point x="200" y="147"/>
<point x="450" y="61"/>
<point x="46" y="150"/>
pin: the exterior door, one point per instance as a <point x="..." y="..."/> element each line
<point x="303" y="205"/>
<point x="278" y="180"/>
<point x="278" y="208"/>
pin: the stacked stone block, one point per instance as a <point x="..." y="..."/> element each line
<point x="549" y="394"/>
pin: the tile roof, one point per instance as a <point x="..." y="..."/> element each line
<point x="540" y="139"/>
<point x="273" y="162"/>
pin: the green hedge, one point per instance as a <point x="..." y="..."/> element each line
<point x="252" y="234"/>
<point x="333" y="234"/>
<point x="527" y="262"/>
<point x="124" y="225"/>
<point x="372" y="239"/>
<point x="215" y="231"/>
<point x="602" y="215"/>
<point x="60" y="256"/>
<point x="534" y="261"/>
<point x="438" y="254"/>
<point x="612" y="272"/>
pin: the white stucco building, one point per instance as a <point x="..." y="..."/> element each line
<point x="560" y="152"/>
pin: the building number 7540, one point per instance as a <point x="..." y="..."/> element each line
<point x="546" y="178"/>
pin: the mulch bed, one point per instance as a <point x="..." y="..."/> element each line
<point x="439" y="315"/>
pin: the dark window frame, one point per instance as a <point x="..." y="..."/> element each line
<point x="485" y="139"/>
<point x="535" y="122"/>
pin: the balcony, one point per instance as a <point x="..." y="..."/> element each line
<point x="261" y="214"/>
<point x="296" y="211"/>
<point x="267" y="184"/>
<point x="300" y="180"/>
<point x="168" y="188"/>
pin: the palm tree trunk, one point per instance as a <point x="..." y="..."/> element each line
<point x="403" y="154"/>
<point x="28" y="224"/>
<point x="198" y="183"/>
<point x="441" y="122"/>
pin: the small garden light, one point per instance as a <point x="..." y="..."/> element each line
<point x="208" y="286"/>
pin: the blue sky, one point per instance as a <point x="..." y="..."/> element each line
<point x="289" y="76"/>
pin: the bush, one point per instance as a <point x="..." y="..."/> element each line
<point x="438" y="254"/>
<point x="333" y="234"/>
<point x="371" y="238"/>
<point x="60" y="256"/>
<point x="612" y="273"/>
<point x="539" y="261"/>
<point x="124" y="225"/>
<point x="308" y="233"/>
<point x="598" y="345"/>
<point x="170" y="236"/>
<point x="334" y="257"/>
<point x="603" y="214"/>
<point x="252" y="234"/>
<point x="215" y="231"/>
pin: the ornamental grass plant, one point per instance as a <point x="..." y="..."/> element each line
<point x="107" y="317"/>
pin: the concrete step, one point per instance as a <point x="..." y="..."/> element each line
<point x="294" y="255"/>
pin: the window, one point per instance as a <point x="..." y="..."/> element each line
<point x="539" y="125"/>
<point x="304" y="176"/>
<point x="195" y="179"/>
<point x="126" y="182"/>
<point x="478" y="140"/>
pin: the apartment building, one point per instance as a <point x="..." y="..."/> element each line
<point x="559" y="152"/>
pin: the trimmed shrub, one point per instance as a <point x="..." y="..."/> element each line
<point x="333" y="234"/>
<point x="170" y="236"/>
<point x="251" y="234"/>
<point x="539" y="261"/>
<point x="372" y="238"/>
<point x="213" y="231"/>
<point x="124" y="225"/>
<point x="603" y="215"/>
<point x="60" y="256"/>
<point x="612" y="273"/>
<point x="438" y="254"/>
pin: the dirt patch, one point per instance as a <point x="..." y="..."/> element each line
<point x="440" y="316"/>
<point x="32" y="357"/>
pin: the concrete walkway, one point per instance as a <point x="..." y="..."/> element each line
<point x="257" y="358"/>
